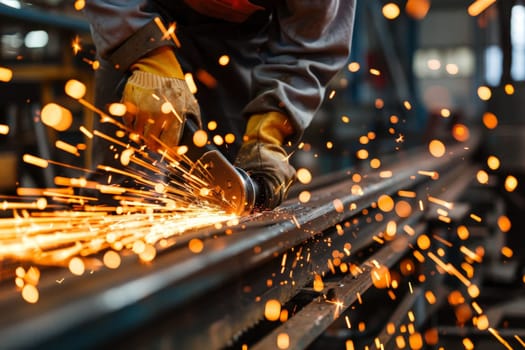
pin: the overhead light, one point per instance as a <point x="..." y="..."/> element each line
<point x="11" y="3"/>
<point x="36" y="39"/>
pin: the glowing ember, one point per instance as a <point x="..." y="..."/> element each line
<point x="75" y="89"/>
<point x="338" y="205"/>
<point x="272" y="310"/>
<point x="460" y="132"/>
<point x="76" y="266"/>
<point x="4" y="129"/>
<point x="463" y="232"/>
<point x="482" y="177"/>
<point x="6" y="74"/>
<point x="229" y="138"/>
<point x="490" y="120"/>
<point x="224" y="60"/>
<point x="511" y="183"/>
<point x="437" y="148"/>
<point x="318" y="283"/>
<point x="111" y="259"/>
<point x="484" y="93"/>
<point x="218" y="140"/>
<point x="283" y="341"/>
<point x="385" y="203"/>
<point x="375" y="71"/>
<point x="381" y="277"/>
<point x="196" y="245"/>
<point x="509" y="89"/>
<point x="478" y="6"/>
<point x="468" y="344"/>
<point x="30" y="293"/>
<point x="504" y="223"/>
<point x="79" y="5"/>
<point x="56" y="116"/>
<point x="200" y="138"/>
<point x="354" y="67"/>
<point x="117" y="109"/>
<point x="417" y="9"/>
<point x="403" y="209"/>
<point x="191" y="83"/>
<point x="423" y="242"/>
<point x="304" y="176"/>
<point x="493" y="162"/>
<point x="391" y="11"/>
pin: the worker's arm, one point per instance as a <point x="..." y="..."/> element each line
<point x="309" y="42"/>
<point x="158" y="100"/>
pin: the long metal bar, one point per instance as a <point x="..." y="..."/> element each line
<point x="313" y="319"/>
<point x="178" y="277"/>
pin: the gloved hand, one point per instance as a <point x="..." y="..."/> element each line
<point x="264" y="159"/>
<point x="158" y="99"/>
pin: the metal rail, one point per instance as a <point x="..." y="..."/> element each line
<point x="206" y="300"/>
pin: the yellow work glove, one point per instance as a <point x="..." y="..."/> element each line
<point x="158" y="99"/>
<point x="264" y="159"/>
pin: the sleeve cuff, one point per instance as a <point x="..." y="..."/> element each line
<point x="145" y="40"/>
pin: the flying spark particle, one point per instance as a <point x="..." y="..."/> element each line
<point x="304" y="196"/>
<point x="79" y="5"/>
<point x="117" y="109"/>
<point x="391" y="11"/>
<point x="272" y="310"/>
<point x="496" y="335"/>
<point x="304" y="176"/>
<point x="30" y="293"/>
<point x="490" y="120"/>
<point x="196" y="245"/>
<point x="4" y="129"/>
<point x="283" y="341"/>
<point x="111" y="259"/>
<point x="36" y="161"/>
<point x="478" y="6"/>
<point x="475" y="217"/>
<point x="484" y="93"/>
<point x="493" y="162"/>
<point x="385" y="203"/>
<point x="224" y="60"/>
<point x="509" y="89"/>
<point x="437" y="148"/>
<point x="517" y="337"/>
<point x="504" y="223"/>
<point x="56" y="117"/>
<point x="374" y="71"/>
<point x="6" y="74"/>
<point x="507" y="252"/>
<point x="511" y="183"/>
<point x="76" y="266"/>
<point x="190" y="82"/>
<point x="75" y="89"/>
<point x="460" y="132"/>
<point x="468" y="344"/>
<point x="354" y="67"/>
<point x="482" y="177"/>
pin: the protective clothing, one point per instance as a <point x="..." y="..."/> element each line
<point x="264" y="158"/>
<point x="158" y="99"/>
<point x="281" y="58"/>
<point x="282" y="55"/>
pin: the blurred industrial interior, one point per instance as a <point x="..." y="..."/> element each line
<point x="415" y="75"/>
